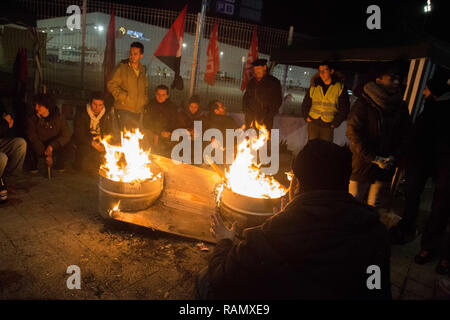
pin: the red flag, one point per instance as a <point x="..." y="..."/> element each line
<point x="169" y="50"/>
<point x="109" y="59"/>
<point x="252" y="56"/>
<point x="213" y="64"/>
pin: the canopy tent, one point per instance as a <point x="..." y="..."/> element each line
<point x="361" y="53"/>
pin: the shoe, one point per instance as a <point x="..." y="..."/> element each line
<point x="423" y="257"/>
<point x="60" y="170"/>
<point x="443" y="267"/>
<point x="34" y="171"/>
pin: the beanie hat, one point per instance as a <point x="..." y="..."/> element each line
<point x="323" y="165"/>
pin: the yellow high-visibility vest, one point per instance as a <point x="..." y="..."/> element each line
<point x="325" y="106"/>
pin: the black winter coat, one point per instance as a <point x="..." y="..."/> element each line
<point x="159" y="117"/>
<point x="42" y="132"/>
<point x="262" y="98"/>
<point x="4" y="125"/>
<point x="186" y="119"/>
<point x="373" y="132"/>
<point x="319" y="247"/>
<point x="81" y="128"/>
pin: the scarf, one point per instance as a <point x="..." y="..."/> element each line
<point x="94" y="126"/>
<point x="387" y="100"/>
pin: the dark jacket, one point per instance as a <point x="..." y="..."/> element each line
<point x="4" y="125"/>
<point x="215" y="121"/>
<point x="81" y="127"/>
<point x="130" y="92"/>
<point x="262" y="98"/>
<point x="53" y="130"/>
<point x="159" y="117"/>
<point x="376" y="130"/>
<point x="343" y="101"/>
<point x="319" y="247"/>
<point x="429" y="143"/>
<point x="186" y="118"/>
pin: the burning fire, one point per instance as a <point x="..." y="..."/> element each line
<point x="127" y="162"/>
<point x="246" y="178"/>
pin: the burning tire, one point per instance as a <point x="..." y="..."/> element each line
<point x="246" y="211"/>
<point x="133" y="196"/>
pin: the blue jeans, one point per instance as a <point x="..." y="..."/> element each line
<point x="12" y="155"/>
<point x="374" y="194"/>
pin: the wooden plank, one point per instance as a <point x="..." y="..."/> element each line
<point x="185" y="205"/>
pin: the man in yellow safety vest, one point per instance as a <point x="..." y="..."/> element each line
<point x="326" y="104"/>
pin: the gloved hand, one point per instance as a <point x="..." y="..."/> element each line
<point x="384" y="163"/>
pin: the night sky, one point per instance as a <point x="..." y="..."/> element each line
<point x="326" y="17"/>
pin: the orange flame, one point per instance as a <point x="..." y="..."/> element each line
<point x="127" y="162"/>
<point x="246" y="178"/>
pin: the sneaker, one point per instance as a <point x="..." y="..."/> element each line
<point x="443" y="267"/>
<point x="423" y="257"/>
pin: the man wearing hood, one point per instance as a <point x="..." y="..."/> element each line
<point x="326" y="104"/>
<point x="377" y="129"/>
<point x="47" y="132"/>
<point x="129" y="87"/>
<point x="319" y="247"/>
<point x="91" y="124"/>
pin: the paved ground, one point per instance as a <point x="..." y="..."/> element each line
<point x="49" y="225"/>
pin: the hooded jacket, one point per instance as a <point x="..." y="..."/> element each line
<point x="130" y="91"/>
<point x="343" y="105"/>
<point x="319" y="247"/>
<point x="186" y="118"/>
<point x="378" y="125"/>
<point x="42" y="132"/>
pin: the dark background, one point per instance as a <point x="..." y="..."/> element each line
<point x="340" y="18"/>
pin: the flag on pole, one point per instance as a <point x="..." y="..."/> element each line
<point x="169" y="50"/>
<point x="109" y="59"/>
<point x="252" y="56"/>
<point x="213" y="64"/>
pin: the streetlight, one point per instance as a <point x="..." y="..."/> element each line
<point x="427" y="8"/>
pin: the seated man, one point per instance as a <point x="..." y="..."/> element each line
<point x="12" y="152"/>
<point x="91" y="124"/>
<point x="160" y="119"/>
<point x="47" y="133"/>
<point x="318" y="247"/>
<point x="218" y="118"/>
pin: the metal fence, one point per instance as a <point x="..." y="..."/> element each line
<point x="61" y="60"/>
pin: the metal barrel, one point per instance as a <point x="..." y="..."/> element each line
<point x="133" y="196"/>
<point x="246" y="211"/>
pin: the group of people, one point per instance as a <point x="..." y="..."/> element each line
<point x="328" y="238"/>
<point x="323" y="242"/>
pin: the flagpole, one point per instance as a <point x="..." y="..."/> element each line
<point x="201" y="27"/>
<point x="195" y="56"/>
<point x="83" y="40"/>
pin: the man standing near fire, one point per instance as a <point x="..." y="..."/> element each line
<point x="326" y="104"/>
<point x="129" y="87"/>
<point x="262" y="98"/>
